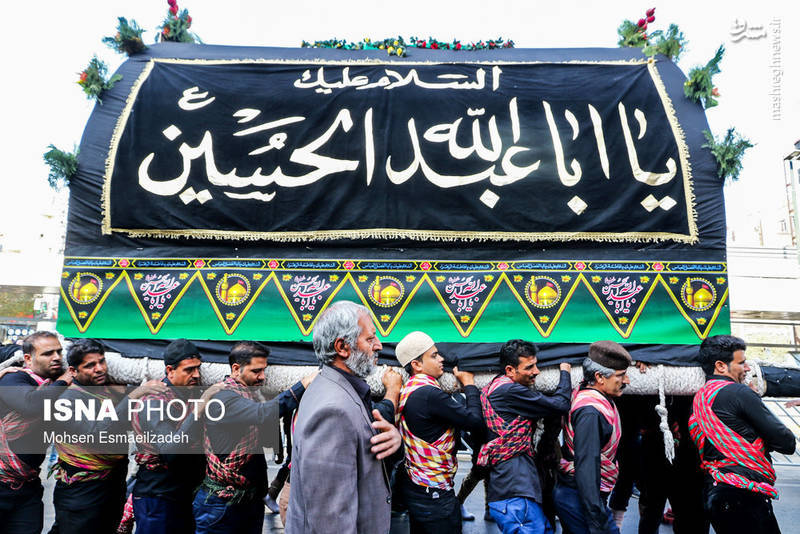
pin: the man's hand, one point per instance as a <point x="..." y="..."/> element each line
<point x="150" y="387"/>
<point x="392" y="380"/>
<point x="792" y="403"/>
<point x="67" y="376"/>
<point x="465" y="377"/>
<point x="306" y="380"/>
<point x="387" y="441"/>
<point x="641" y="366"/>
<point x="200" y="407"/>
<point x="564" y="366"/>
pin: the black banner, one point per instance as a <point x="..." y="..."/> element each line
<point x="286" y="151"/>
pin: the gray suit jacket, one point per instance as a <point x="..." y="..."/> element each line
<point x="337" y="484"/>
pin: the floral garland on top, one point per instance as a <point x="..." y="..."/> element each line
<point x="397" y="46"/>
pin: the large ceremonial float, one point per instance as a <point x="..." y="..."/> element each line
<point x="558" y="195"/>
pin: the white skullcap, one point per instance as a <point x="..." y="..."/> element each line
<point x="412" y="346"/>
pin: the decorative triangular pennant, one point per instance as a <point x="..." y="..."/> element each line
<point x="621" y="296"/>
<point x="156" y="292"/>
<point x="698" y="296"/>
<point x="307" y="293"/>
<point x="386" y="295"/>
<point x="84" y="292"/>
<point x="543" y="295"/>
<point x="232" y="293"/>
<point x="464" y="295"/>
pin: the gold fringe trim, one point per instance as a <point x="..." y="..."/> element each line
<point x="376" y="61"/>
<point x="418" y="235"/>
<point x="683" y="151"/>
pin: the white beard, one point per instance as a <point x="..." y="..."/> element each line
<point x="361" y="363"/>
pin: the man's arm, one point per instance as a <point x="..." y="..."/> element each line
<point x="774" y="433"/>
<point x="454" y="414"/>
<point x="26" y="399"/>
<point x="587" y="423"/>
<point x="239" y="409"/>
<point x="533" y="404"/>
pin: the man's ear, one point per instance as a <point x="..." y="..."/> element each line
<point x="416" y="365"/>
<point x="341" y="347"/>
<point x="168" y="369"/>
<point x="720" y="367"/>
<point x="510" y="370"/>
<point x="235" y="368"/>
<point x="28" y="359"/>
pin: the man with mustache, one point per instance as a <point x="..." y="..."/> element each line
<point x="735" y="432"/>
<point x="230" y="498"/>
<point x="21" y="449"/>
<point x="429" y="424"/>
<point x="339" y="483"/>
<point x="592" y="432"/>
<point x="511" y="409"/>
<point x="169" y="472"/>
<point x="90" y="476"/>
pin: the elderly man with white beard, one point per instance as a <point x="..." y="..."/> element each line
<point x="339" y="481"/>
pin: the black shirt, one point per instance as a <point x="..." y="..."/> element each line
<point x="239" y="412"/>
<point x="20" y="394"/>
<point x="184" y="471"/>
<point x="517" y="476"/>
<point x="741" y="409"/>
<point x="591" y="432"/>
<point x="429" y="412"/>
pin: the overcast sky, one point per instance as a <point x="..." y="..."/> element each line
<point x="46" y="44"/>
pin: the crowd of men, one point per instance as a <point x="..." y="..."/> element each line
<point x="355" y="459"/>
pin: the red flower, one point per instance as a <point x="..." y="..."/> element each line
<point x="650" y="12"/>
<point x="82" y="79"/>
<point x="421" y="44"/>
<point x="434" y="45"/>
<point x="173" y="9"/>
<point x="641" y="23"/>
<point x="165" y="31"/>
<point x="715" y="92"/>
<point x="458" y="46"/>
<point x="650" y="19"/>
<point x="172" y="3"/>
<point x="188" y="20"/>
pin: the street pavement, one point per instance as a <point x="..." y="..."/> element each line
<point x="787" y="508"/>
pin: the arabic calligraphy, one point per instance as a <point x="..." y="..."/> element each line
<point x="157" y="289"/>
<point x="464" y="292"/>
<point x="308" y="290"/>
<point x="740" y="29"/>
<point x="393" y="79"/>
<point x="621" y="293"/>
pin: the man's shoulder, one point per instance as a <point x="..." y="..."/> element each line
<point x="18" y="378"/>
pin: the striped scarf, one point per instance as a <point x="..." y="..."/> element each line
<point x="13" y="471"/>
<point x="92" y="466"/>
<point x="608" y="453"/>
<point x="223" y="476"/>
<point x="432" y="465"/>
<point x="705" y="425"/>
<point x="513" y="438"/>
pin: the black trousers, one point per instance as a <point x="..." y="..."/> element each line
<point x="93" y="506"/>
<point x="431" y="510"/>
<point x="22" y="511"/>
<point x="735" y="511"/>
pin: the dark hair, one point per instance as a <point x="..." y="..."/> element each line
<point x="718" y="348"/>
<point x="28" y="342"/>
<point x="408" y="368"/>
<point x="513" y="349"/>
<point x="80" y="348"/>
<point x="244" y="351"/>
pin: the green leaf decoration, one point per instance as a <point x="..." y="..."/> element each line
<point x="175" y="27"/>
<point x="63" y="166"/>
<point x="398" y="46"/>
<point x="631" y="35"/>
<point x="671" y="44"/>
<point x="128" y="38"/>
<point x="728" y="152"/>
<point x="93" y="79"/>
<point x="700" y="86"/>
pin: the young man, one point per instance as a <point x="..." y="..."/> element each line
<point x="339" y="483"/>
<point x="230" y="499"/>
<point x="511" y="408"/>
<point x="735" y="433"/>
<point x="592" y="432"/>
<point x="21" y="446"/>
<point x="429" y="424"/>
<point x="90" y="485"/>
<point x="171" y="470"/>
